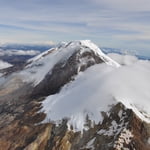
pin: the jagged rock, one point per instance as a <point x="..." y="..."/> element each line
<point x="41" y="141"/>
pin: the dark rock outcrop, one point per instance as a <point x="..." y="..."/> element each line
<point x="64" y="71"/>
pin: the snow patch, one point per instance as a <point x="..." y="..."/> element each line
<point x="114" y="129"/>
<point x="120" y="113"/>
<point x="90" y="144"/>
<point x="148" y="141"/>
<point x="4" y="65"/>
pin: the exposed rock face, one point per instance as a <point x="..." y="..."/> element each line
<point x="20" y="131"/>
<point x="64" y="71"/>
<point x="20" y="119"/>
<point x="120" y="129"/>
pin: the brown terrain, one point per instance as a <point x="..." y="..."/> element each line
<point x="25" y="132"/>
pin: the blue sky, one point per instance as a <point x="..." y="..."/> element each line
<point x="112" y="23"/>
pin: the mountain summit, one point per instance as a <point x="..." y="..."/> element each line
<point x="78" y="55"/>
<point x="63" y="62"/>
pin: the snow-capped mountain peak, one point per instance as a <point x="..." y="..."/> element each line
<point x="75" y="46"/>
<point x="43" y="64"/>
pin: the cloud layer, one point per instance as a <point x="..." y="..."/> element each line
<point x="100" y="87"/>
<point x="112" y="23"/>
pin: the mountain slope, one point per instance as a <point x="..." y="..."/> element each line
<point x="43" y="64"/>
<point x="74" y="97"/>
<point x="63" y="63"/>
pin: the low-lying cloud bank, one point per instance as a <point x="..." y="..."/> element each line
<point x="123" y="59"/>
<point x="98" y="88"/>
<point x="19" y="52"/>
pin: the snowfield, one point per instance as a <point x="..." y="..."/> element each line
<point x="98" y="88"/>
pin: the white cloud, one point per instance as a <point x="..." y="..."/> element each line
<point x="107" y="22"/>
<point x="18" y="52"/>
<point x="125" y="5"/>
<point x="44" y="43"/>
<point x="123" y="59"/>
<point x="98" y="88"/>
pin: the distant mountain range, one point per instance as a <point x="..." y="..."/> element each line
<point x="44" y="47"/>
<point x="37" y="47"/>
<point x="107" y="50"/>
<point x="20" y="53"/>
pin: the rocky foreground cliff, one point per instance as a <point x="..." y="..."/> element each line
<point x="66" y="99"/>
